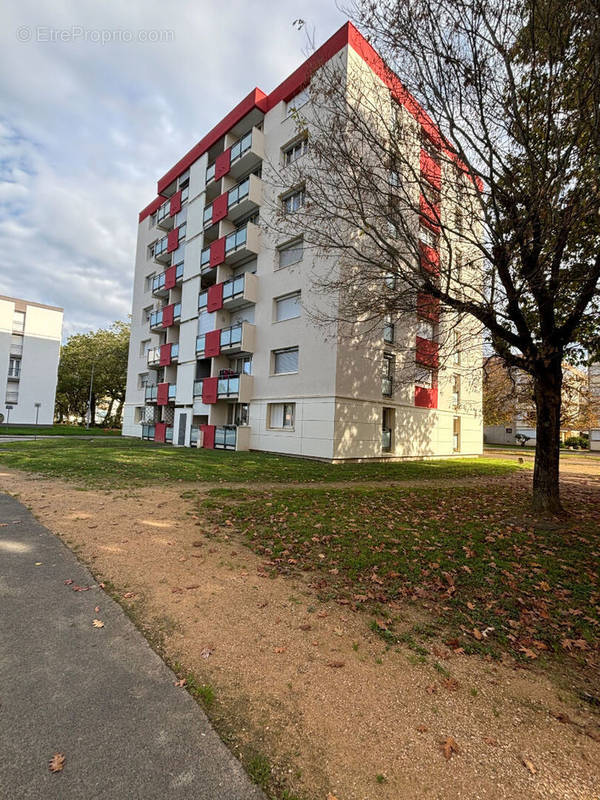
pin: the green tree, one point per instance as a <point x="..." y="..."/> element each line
<point x="97" y="359"/>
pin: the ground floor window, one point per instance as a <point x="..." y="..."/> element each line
<point x="456" y="434"/>
<point x="238" y="414"/>
<point x="281" y="415"/>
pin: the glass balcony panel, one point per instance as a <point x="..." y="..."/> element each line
<point x="177" y="310"/>
<point x="203" y="300"/>
<point x="172" y="391"/>
<point x="200" y="343"/>
<point x="175" y="350"/>
<point x="198" y="388"/>
<point x="205" y="257"/>
<point x="169" y="434"/>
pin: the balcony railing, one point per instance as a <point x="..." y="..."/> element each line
<point x="158" y="282"/>
<point x="172" y="391"/>
<point x="233" y="288"/>
<point x="169" y="434"/>
<point x="225" y="437"/>
<point x="194" y="432"/>
<point x="234" y="241"/>
<point x="150" y="394"/>
<point x="198" y="388"/>
<point x="160" y="248"/>
<point x="148" y="432"/>
<point x="228" y="387"/>
<point x="232" y="335"/>
<point x="156" y="318"/>
<point x="163" y="216"/>
<point x="200" y="342"/>
<point x="175" y="351"/>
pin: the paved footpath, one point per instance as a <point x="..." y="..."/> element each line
<point x="100" y="696"/>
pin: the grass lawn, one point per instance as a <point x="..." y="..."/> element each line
<point x="55" y="430"/>
<point x="118" y="463"/>
<point x="495" y="578"/>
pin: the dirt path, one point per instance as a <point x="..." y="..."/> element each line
<point x="273" y="655"/>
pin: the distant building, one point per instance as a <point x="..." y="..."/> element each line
<point x="594" y="387"/>
<point x="30" y="335"/>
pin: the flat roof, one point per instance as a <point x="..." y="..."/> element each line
<point x="18" y="301"/>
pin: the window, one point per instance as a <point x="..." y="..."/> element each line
<point x="294" y="201"/>
<point x="424" y="377"/>
<point x="143" y="380"/>
<point x="394" y="179"/>
<point x="19" y="321"/>
<point x="387" y="378"/>
<point x="456" y="434"/>
<point x="388" y="330"/>
<point x="458" y="220"/>
<point x="238" y="414"/>
<point x="285" y="361"/>
<point x="294" y="151"/>
<point x="459" y="266"/>
<point x="138" y="414"/>
<point x="14" y="367"/>
<point x="425" y="330"/>
<point x="148" y="281"/>
<point x="390" y="280"/>
<point x="296" y="102"/>
<point x="291" y="253"/>
<point x="12" y="397"/>
<point x="428" y="237"/>
<point x="456" y="347"/>
<point x="146" y="312"/>
<point x="242" y="366"/>
<point x="145" y="345"/>
<point x="152" y="220"/>
<point x="287" y="307"/>
<point x="456" y="390"/>
<point x="16" y="344"/>
<point x="281" y="415"/>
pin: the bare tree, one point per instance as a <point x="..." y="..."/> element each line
<point x="486" y="206"/>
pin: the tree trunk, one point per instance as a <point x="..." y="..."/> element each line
<point x="93" y="410"/>
<point x="546" y="487"/>
<point x="107" y="421"/>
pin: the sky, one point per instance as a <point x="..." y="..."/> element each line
<point x="97" y="101"/>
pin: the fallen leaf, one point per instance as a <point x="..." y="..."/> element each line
<point x="206" y="652"/>
<point x="338" y="631"/>
<point x="491" y="741"/>
<point x="128" y="595"/>
<point x="321" y="614"/>
<point x="97" y="623"/>
<point x="477" y="634"/>
<point x="529" y="765"/>
<point x="69" y="581"/>
<point x="331" y="796"/>
<point x="527" y="652"/>
<point x="176" y="590"/>
<point x="197" y="544"/>
<point x="97" y="609"/>
<point x="180" y="683"/>
<point x="422" y="728"/>
<point x="305" y="627"/>
<point x="335" y="664"/>
<point x="449" y="746"/>
<point x="57" y="762"/>
<point x="431" y="689"/>
<point x="193" y="586"/>
<point x="451" y="684"/>
<point x="279" y="649"/>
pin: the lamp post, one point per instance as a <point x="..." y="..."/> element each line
<point x="37" y="416"/>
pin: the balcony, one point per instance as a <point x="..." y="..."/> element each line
<point x="237" y="338"/>
<point x="156" y="356"/>
<point x="153" y="357"/>
<point x="164" y="219"/>
<point x="160" y="251"/>
<point x="166" y="280"/>
<point x="226" y="437"/>
<point x="232" y="387"/>
<point x="166" y="316"/>
<point x="150" y="394"/>
<point x="236" y="203"/>
<point x="230" y="249"/>
<point x="236" y="293"/>
<point x="161" y="394"/>
<point x="148" y="432"/>
<point x="243" y="156"/>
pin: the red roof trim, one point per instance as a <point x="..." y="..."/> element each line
<point x="346" y="35"/>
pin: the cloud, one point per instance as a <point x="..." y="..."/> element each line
<point x="87" y="128"/>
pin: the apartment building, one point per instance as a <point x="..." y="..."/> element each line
<point x="223" y="353"/>
<point x="30" y="335"/>
<point x="594" y="390"/>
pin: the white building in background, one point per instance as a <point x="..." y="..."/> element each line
<point x="594" y="387"/>
<point x="222" y="350"/>
<point x="30" y="336"/>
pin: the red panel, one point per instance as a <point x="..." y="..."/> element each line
<point x="160" y="432"/>
<point x="222" y="164"/>
<point x="165" y="355"/>
<point x="426" y="398"/>
<point x="209" y="390"/>
<point x="431" y="169"/>
<point x="170" y="279"/>
<point x="175" y="205"/>
<point x="172" y="240"/>
<point x="212" y="344"/>
<point x="217" y="252"/>
<point x="430" y="214"/>
<point x="214" y="299"/>
<point x="168" y="315"/>
<point x="428" y="353"/>
<point x="220" y="206"/>
<point x="428" y="307"/>
<point x="430" y="259"/>
<point x="209" y="436"/>
<point x="162" y="394"/>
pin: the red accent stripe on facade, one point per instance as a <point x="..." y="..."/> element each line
<point x="209" y="390"/>
<point x="160" y="431"/>
<point x="168" y="315"/>
<point x="220" y="206"/>
<point x="208" y="432"/>
<point x="430" y="214"/>
<point x="175" y="204"/>
<point x="162" y="394"/>
<point x="170" y="277"/>
<point x="428" y="353"/>
<point x="426" y="398"/>
<point x="151" y="208"/>
<point x="346" y="35"/>
<point x="214" y="297"/>
<point x="165" y="355"/>
<point x="212" y="344"/>
<point x="431" y="169"/>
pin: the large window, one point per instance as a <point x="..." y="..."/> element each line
<point x="14" y="367"/>
<point x="294" y="151"/>
<point x="287" y="307"/>
<point x="388" y="330"/>
<point x="291" y="253"/>
<point x="281" y="416"/>
<point x="285" y="361"/>
<point x="293" y="201"/>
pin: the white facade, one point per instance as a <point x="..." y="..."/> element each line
<point x="256" y="372"/>
<point x="30" y="335"/>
